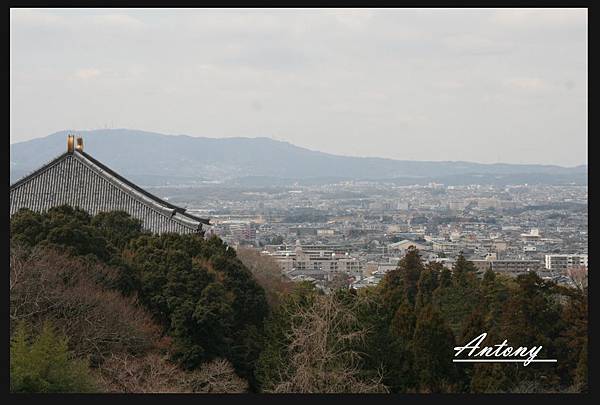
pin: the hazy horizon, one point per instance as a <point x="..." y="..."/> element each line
<point x="486" y="86"/>
<point x="79" y="131"/>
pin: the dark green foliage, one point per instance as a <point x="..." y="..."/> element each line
<point x="433" y="352"/>
<point x="204" y="298"/>
<point x="530" y="316"/>
<point x="71" y="230"/>
<point x="117" y="227"/>
<point x="474" y="326"/>
<point x="391" y="289"/>
<point x="445" y="279"/>
<point x="428" y="282"/>
<point x="463" y="270"/>
<point x="43" y="364"/>
<point x="276" y="341"/>
<point x="385" y="351"/>
<point x="456" y="298"/>
<point x="533" y="317"/>
<point x="401" y="330"/>
<point x="573" y="339"/>
<point x="28" y="227"/>
<point x="489" y="278"/>
<point x="403" y="322"/>
<point x="210" y="306"/>
<point x="411" y="267"/>
<point x="495" y="292"/>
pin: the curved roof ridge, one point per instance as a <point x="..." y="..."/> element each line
<point x="138" y="189"/>
<point x="38" y="170"/>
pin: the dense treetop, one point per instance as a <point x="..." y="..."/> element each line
<point x="186" y="307"/>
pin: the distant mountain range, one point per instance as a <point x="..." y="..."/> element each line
<point x="154" y="159"/>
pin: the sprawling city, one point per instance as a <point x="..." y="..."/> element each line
<point x="298" y="201"/>
<point x="362" y="229"/>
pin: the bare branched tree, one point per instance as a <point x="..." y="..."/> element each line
<point x="125" y="373"/>
<point x="578" y="276"/>
<point x="218" y="376"/>
<point x="48" y="285"/>
<point x="323" y="351"/>
<point x="267" y="273"/>
<point x="154" y="373"/>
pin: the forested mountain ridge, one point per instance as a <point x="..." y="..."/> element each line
<point x="156" y="158"/>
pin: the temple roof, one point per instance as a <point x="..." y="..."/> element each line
<point x="125" y="184"/>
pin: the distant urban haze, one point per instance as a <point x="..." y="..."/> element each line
<point x="462" y="85"/>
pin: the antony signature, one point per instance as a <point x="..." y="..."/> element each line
<point x="498" y="353"/>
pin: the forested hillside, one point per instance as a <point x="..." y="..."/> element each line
<point x="98" y="305"/>
<point x="173" y="304"/>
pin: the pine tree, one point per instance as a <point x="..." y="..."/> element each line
<point x="456" y="298"/>
<point x="494" y="294"/>
<point x="489" y="278"/>
<point x="531" y="317"/>
<point x="45" y="365"/>
<point x="433" y="353"/>
<point x="463" y="270"/>
<point x="445" y="279"/>
<point x="391" y="290"/>
<point x="428" y="282"/>
<point x="573" y="336"/>
<point x="411" y="268"/>
<point x="474" y="326"/>
<point x="403" y="323"/>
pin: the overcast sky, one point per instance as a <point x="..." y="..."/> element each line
<point x="477" y="85"/>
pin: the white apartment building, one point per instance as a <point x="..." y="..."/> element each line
<point x="321" y="260"/>
<point x="563" y="262"/>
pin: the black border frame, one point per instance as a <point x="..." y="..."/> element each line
<point x="273" y="398"/>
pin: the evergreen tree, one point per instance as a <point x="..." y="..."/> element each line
<point x="489" y="278"/>
<point x="391" y="289"/>
<point x="28" y="227"/>
<point x="572" y="340"/>
<point x="45" y="365"/>
<point x="385" y="352"/>
<point x="463" y="270"/>
<point x="274" y="359"/>
<point x="428" y="282"/>
<point x="403" y="323"/>
<point x="411" y="268"/>
<point x="457" y="299"/>
<point x="531" y="317"/>
<point x="494" y="296"/>
<point x="445" y="278"/>
<point x="118" y="227"/>
<point x="401" y="371"/>
<point x="433" y="353"/>
<point x="474" y="326"/>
